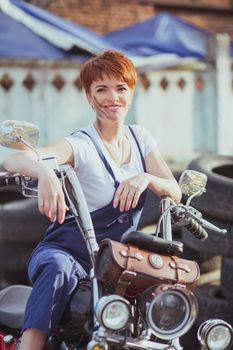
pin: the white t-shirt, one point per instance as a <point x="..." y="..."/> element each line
<point x="96" y="182"/>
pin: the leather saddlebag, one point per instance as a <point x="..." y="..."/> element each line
<point x="127" y="267"/>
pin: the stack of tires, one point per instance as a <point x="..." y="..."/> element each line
<point x="216" y="298"/>
<point x="21" y="228"/>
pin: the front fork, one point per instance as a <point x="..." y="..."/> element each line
<point x="166" y="226"/>
<point x="96" y="296"/>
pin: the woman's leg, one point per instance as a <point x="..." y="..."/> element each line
<point x="54" y="274"/>
<point x="33" y="339"/>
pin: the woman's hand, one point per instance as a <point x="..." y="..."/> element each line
<point x="51" y="200"/>
<point x="129" y="191"/>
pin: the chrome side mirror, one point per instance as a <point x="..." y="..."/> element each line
<point x="192" y="183"/>
<point x="19" y="135"/>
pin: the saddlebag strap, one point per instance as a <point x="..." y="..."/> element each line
<point x="128" y="275"/>
<point x="181" y="269"/>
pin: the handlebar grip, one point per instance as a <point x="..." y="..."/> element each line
<point x="196" y="229"/>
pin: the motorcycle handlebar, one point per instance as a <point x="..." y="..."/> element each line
<point x="196" y="229"/>
<point x="7" y="179"/>
<point x="212" y="227"/>
<point x="193" y="221"/>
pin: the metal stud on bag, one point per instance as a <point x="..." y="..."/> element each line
<point x="156" y="261"/>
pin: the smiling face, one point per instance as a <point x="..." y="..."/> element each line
<point x="113" y="96"/>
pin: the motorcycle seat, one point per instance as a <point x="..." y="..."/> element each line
<point x="152" y="243"/>
<point x="13" y="302"/>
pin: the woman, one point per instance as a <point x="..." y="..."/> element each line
<point x="115" y="164"/>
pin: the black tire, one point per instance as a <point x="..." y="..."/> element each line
<point x="20" y="221"/>
<point x="207" y="261"/>
<point x="13" y="263"/>
<point x="189" y="340"/>
<point x="212" y="304"/>
<point x="9" y="194"/>
<point x="151" y="211"/>
<point x="216" y="243"/>
<point x="212" y="264"/>
<point x="227" y="278"/>
<point x="192" y="254"/>
<point x="217" y="201"/>
<point x="14" y="256"/>
<point x="7" y="278"/>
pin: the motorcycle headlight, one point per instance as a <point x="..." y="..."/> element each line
<point x="113" y="312"/>
<point x="171" y="312"/>
<point x="215" y="335"/>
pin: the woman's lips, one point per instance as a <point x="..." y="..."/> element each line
<point x="113" y="108"/>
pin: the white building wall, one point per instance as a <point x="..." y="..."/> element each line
<point x="179" y="119"/>
<point x="168" y="114"/>
<point x="56" y="112"/>
<point x="225" y="94"/>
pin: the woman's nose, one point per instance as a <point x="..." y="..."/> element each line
<point x="112" y="95"/>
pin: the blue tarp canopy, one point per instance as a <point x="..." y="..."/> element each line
<point x="22" y="22"/>
<point x="45" y="35"/>
<point x="163" y="34"/>
<point x="16" y="40"/>
<point x="27" y="31"/>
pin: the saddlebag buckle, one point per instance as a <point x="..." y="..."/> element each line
<point x="124" y="281"/>
<point x="126" y="277"/>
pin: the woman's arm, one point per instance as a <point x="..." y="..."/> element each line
<point x="160" y="178"/>
<point x="51" y="200"/>
<point x="157" y="178"/>
<point x="25" y="162"/>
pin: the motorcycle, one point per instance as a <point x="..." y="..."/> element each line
<point x="139" y="293"/>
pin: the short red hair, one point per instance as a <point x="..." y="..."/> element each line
<point x="111" y="64"/>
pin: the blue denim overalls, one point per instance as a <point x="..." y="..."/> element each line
<point x="58" y="262"/>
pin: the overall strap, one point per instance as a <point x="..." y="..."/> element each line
<point x="140" y="152"/>
<point x="102" y="157"/>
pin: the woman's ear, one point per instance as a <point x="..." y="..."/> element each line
<point x="90" y="100"/>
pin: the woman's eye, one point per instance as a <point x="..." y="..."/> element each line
<point x="100" y="90"/>
<point x="122" y="88"/>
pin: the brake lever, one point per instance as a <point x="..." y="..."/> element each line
<point x="193" y="213"/>
<point x="212" y="227"/>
